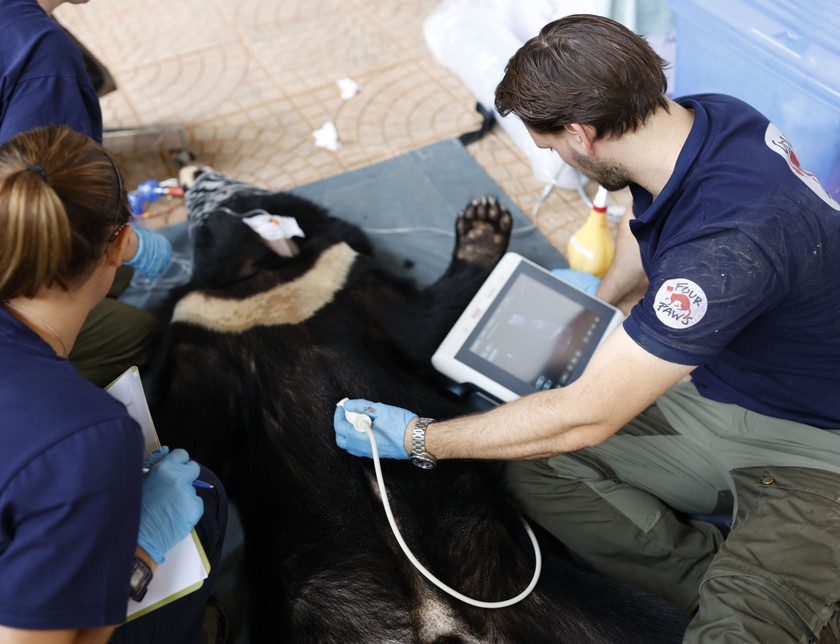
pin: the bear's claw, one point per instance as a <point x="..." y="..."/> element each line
<point x="483" y="231"/>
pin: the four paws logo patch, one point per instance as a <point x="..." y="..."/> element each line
<point x="680" y="303"/>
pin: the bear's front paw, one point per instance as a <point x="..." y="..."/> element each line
<point x="483" y="231"/>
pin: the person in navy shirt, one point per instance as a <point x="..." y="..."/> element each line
<point x="719" y="394"/>
<point x="43" y="81"/>
<point x="82" y="529"/>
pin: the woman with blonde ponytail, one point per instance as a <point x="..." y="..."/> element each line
<point x="81" y="527"/>
<point x="63" y="221"/>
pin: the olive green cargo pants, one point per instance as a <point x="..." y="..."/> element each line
<point x="776" y="577"/>
<point x="114" y="337"/>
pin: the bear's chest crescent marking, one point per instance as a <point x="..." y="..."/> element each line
<point x="289" y="303"/>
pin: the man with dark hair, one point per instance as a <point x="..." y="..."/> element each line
<point x="719" y="392"/>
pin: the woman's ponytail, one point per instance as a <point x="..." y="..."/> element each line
<point x="61" y="199"/>
<point x="35" y="234"/>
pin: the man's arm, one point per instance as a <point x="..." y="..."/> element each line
<point x="625" y="273"/>
<point x="620" y="381"/>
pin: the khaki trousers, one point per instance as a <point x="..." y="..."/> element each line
<point x="624" y="506"/>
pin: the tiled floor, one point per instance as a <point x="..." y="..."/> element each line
<point x="251" y="80"/>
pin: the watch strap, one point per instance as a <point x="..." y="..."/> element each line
<point x="419" y="455"/>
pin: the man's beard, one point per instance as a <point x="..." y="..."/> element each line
<point x="612" y="176"/>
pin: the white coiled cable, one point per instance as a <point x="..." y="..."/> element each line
<point x="362" y="423"/>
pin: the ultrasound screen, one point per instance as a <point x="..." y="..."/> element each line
<point x="539" y="333"/>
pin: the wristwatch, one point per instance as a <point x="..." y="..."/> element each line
<point x="419" y="456"/>
<point x="141" y="575"/>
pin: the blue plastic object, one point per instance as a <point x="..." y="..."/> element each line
<point x="148" y="191"/>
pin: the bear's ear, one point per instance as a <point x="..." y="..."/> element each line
<point x="226" y="250"/>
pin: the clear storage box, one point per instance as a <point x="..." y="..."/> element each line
<point x="781" y="56"/>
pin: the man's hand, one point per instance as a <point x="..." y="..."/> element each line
<point x="389" y="425"/>
<point x="586" y="282"/>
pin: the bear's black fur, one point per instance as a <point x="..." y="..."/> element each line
<point x="259" y="351"/>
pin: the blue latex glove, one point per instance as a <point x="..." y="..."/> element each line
<point x="170" y="506"/>
<point x="584" y="281"/>
<point x="154" y="252"/>
<point x="389" y="425"/>
<point x="155" y="456"/>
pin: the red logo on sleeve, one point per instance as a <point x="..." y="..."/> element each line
<point x="680" y="303"/>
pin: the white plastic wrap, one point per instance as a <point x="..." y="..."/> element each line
<point x="476" y="38"/>
<point x="526" y="17"/>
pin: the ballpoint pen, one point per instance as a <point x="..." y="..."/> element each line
<point x="197" y="483"/>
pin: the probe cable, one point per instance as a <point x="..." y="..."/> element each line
<point x="362" y="423"/>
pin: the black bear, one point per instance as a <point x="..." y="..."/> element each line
<point x="261" y="346"/>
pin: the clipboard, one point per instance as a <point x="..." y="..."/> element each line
<point x="186" y="565"/>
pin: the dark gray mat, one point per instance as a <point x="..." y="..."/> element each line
<point x="407" y="204"/>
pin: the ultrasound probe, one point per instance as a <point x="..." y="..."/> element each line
<point x="362" y="423"/>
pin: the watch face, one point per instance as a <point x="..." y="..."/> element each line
<point x="141" y="575"/>
<point x="422" y="461"/>
<point x="138" y="577"/>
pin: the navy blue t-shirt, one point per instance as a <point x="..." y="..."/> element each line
<point x="43" y="80"/>
<point x="742" y="249"/>
<point x="70" y="484"/>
